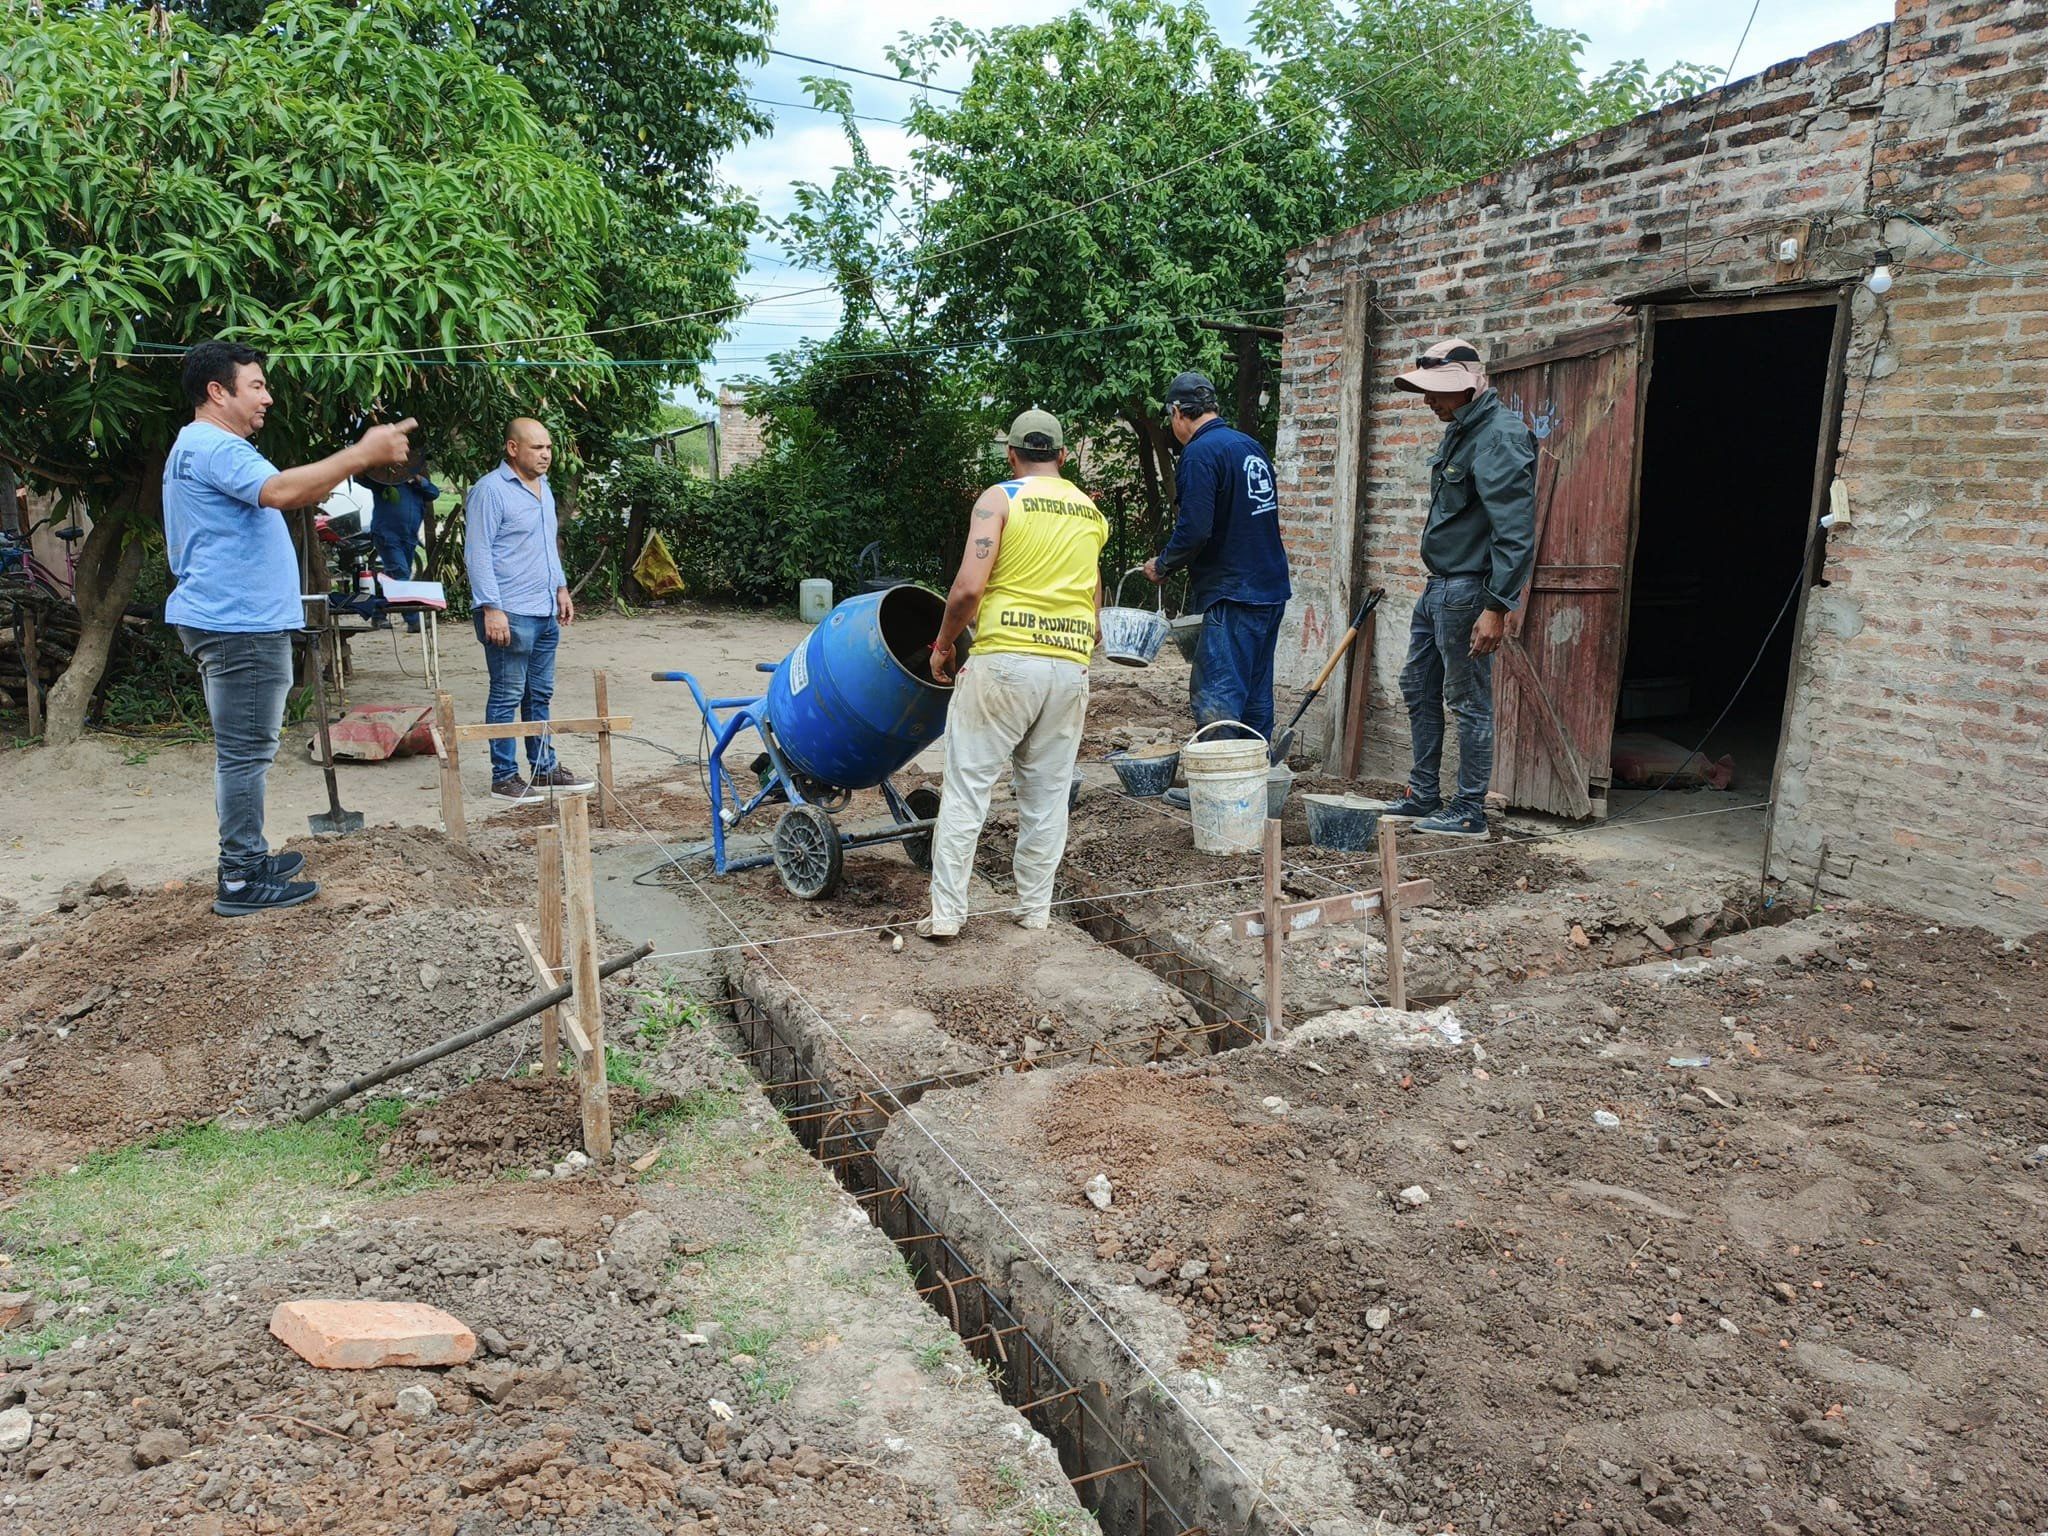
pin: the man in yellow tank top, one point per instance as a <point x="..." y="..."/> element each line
<point x="1031" y="577"/>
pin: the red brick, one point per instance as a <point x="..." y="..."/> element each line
<point x="363" y="1335"/>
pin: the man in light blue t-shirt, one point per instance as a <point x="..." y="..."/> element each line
<point x="236" y="603"/>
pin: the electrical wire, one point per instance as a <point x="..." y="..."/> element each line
<point x="1692" y="193"/>
<point x="855" y="69"/>
<point x="721" y="311"/>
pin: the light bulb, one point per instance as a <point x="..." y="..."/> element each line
<point x="1880" y="280"/>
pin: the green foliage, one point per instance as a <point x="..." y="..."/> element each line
<point x="1498" y="85"/>
<point x="151" y="1218"/>
<point x="169" y="183"/>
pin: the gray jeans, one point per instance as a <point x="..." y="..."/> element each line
<point x="1442" y="670"/>
<point x="247" y="678"/>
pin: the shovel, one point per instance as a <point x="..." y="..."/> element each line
<point x="1286" y="738"/>
<point x="334" y="819"/>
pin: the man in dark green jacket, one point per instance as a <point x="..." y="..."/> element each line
<point x="1479" y="546"/>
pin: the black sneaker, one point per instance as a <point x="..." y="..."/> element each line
<point x="262" y="894"/>
<point x="1451" y="822"/>
<point x="562" y="778"/>
<point x="1408" y="808"/>
<point x="1177" y="798"/>
<point x="515" y="791"/>
<point x="284" y="865"/>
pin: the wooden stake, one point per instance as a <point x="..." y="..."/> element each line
<point x="451" y="769"/>
<point x="1390" y="909"/>
<point x="605" y="796"/>
<point x="579" y="896"/>
<point x="1272" y="862"/>
<point x="547" y="848"/>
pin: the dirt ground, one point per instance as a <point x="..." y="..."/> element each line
<point x="139" y="1012"/>
<point x="653" y="1358"/>
<point x="1732" y="1224"/>
<point x="1791" y="1289"/>
<point x="145" y="808"/>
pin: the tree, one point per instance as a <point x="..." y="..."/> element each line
<point x="654" y="90"/>
<point x="1109" y="175"/>
<point x="164" y="183"/>
<point x="1420" y="95"/>
<point x="1115" y="176"/>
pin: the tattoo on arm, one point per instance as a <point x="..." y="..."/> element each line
<point x="982" y="512"/>
<point x="983" y="546"/>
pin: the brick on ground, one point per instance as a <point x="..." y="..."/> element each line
<point x="363" y="1335"/>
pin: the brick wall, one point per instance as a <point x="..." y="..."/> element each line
<point x="739" y="434"/>
<point x="1918" y="751"/>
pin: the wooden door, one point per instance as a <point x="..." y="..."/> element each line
<point x="1557" y="678"/>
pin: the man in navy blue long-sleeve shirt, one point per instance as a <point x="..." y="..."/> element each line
<point x="1227" y="538"/>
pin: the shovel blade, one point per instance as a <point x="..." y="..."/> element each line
<point x="340" y="822"/>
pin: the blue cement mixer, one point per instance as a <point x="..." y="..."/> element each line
<point x="843" y="711"/>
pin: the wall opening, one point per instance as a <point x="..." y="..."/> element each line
<point x="1730" y="447"/>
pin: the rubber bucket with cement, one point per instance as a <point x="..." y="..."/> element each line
<point x="1144" y="777"/>
<point x="1226" y="789"/>
<point x="1344" y="823"/>
<point x="1132" y="636"/>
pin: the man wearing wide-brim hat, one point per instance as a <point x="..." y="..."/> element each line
<point x="1478" y="545"/>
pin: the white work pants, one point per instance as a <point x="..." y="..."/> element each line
<point x="1026" y="711"/>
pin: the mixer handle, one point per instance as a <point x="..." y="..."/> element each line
<point x="1159" y="590"/>
<point x="766" y="666"/>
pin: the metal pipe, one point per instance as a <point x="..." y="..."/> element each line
<point x="467" y="1038"/>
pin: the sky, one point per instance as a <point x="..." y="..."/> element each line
<point x="807" y="145"/>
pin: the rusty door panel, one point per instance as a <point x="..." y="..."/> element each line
<point x="1558" y="676"/>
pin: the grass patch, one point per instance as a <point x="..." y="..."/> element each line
<point x="148" y="1219"/>
<point x="665" y="1011"/>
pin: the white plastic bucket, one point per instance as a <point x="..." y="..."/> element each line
<point x="1226" y="789"/>
<point x="813" y="600"/>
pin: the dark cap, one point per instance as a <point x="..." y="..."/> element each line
<point x="1192" y="392"/>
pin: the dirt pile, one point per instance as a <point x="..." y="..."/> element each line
<point x="141" y="1012"/>
<point x="626" y="1428"/>
<point x="511" y="1126"/>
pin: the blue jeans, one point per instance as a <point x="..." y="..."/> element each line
<point x="1442" y="670"/>
<point x="247" y="678"/>
<point x="396" y="533"/>
<point x="1233" y="672"/>
<point x="522" y="688"/>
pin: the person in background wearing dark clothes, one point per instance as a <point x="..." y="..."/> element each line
<point x="1227" y="538"/>
<point x="397" y="511"/>
<point x="1479" y="546"/>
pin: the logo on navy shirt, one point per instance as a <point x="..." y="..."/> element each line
<point x="1258" y="485"/>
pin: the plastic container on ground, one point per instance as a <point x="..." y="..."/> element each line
<point x="1343" y="823"/>
<point x="1144" y="778"/>
<point x="1227" y="788"/>
<point x="813" y="599"/>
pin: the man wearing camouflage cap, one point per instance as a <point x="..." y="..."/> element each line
<point x="1478" y="545"/>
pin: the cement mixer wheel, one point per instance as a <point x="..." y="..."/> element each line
<point x="924" y="805"/>
<point x="808" y="853"/>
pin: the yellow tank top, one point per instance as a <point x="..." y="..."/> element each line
<point x="1040" y="599"/>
